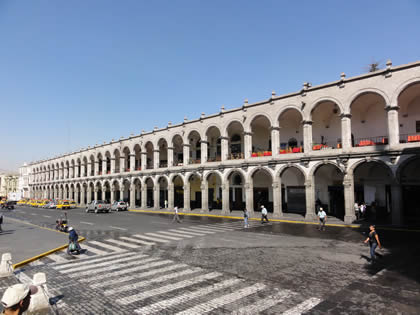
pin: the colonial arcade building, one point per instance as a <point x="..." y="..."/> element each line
<point x="352" y="140"/>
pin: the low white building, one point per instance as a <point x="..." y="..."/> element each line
<point x="23" y="182"/>
<point x="8" y="184"/>
<point x="351" y="140"/>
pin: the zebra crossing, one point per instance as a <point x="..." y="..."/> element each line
<point x="122" y="243"/>
<point x="144" y="284"/>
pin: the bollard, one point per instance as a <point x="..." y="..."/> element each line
<point x="40" y="301"/>
<point x="6" y="268"/>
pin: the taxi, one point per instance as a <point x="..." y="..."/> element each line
<point x="63" y="205"/>
<point x="22" y="202"/>
<point x="42" y="203"/>
<point x="72" y="204"/>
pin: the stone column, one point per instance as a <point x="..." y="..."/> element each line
<point x="156" y="159"/>
<point x="346" y="132"/>
<point x="132" y="200"/>
<point x="170" y="195"/>
<point x="249" y="197"/>
<point x="132" y="162"/>
<point x="89" y="195"/>
<point x="247" y="144"/>
<point x="349" y="215"/>
<point x="307" y="136"/>
<point x="310" y="199"/>
<point x="225" y="198"/>
<point x="71" y="193"/>
<point x="170" y="156"/>
<point x="143" y="161"/>
<point x="275" y="141"/>
<point x="122" y="164"/>
<point x="393" y="125"/>
<point x="89" y="169"/>
<point x="397" y="205"/>
<point x="156" y="196"/>
<point x="187" y="197"/>
<point x="96" y="168"/>
<point x="76" y="171"/>
<point x="204" y="196"/>
<point x="144" y="196"/>
<point x="104" y="166"/>
<point x="82" y="196"/>
<point x="72" y="171"/>
<point x="204" y="145"/>
<point x="225" y="147"/>
<point x="112" y="195"/>
<point x="277" y="206"/>
<point x="186" y="157"/>
<point x="103" y="197"/>
<point x="113" y="166"/>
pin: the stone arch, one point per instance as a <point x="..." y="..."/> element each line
<point x="403" y="86"/>
<point x="284" y="168"/>
<point x="232" y="170"/>
<point x="250" y="120"/>
<point x="214" y="144"/>
<point x="408" y="101"/>
<point x="178" y="182"/>
<point x="262" y="193"/>
<point x="224" y="132"/>
<point x="260" y="128"/>
<point x="236" y="180"/>
<point x="209" y="127"/>
<point x="361" y="92"/>
<point x="291" y="136"/>
<point x="162" y="146"/>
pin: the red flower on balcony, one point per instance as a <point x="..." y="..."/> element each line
<point x="254" y="154"/>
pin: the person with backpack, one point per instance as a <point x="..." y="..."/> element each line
<point x="73" y="242"/>
<point x="246" y="216"/>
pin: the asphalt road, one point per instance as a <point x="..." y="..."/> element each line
<point x="209" y="265"/>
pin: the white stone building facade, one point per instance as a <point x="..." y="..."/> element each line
<point x="352" y="140"/>
<point x="23" y="183"/>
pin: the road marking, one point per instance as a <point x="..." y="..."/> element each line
<point x="164" y="236"/>
<point x="226" y="299"/>
<point x="303" y="307"/>
<point x="118" y="228"/>
<point x="196" y="230"/>
<point x="159" y="306"/>
<point x="141" y="284"/>
<point x="265" y="303"/>
<point x="89" y="223"/>
<point x="123" y="243"/>
<point x="113" y="248"/>
<point x="57" y="258"/>
<point x="33" y="214"/>
<point x="102" y="264"/>
<point x="136" y="241"/>
<point x="189" y="233"/>
<point x="46" y="216"/>
<point x="94" y="250"/>
<point x="176" y="234"/>
<point x="168" y="288"/>
<point x="150" y="238"/>
<point x="125" y="271"/>
<point x="85" y="262"/>
<point x="107" y="269"/>
<point x="214" y="228"/>
<point x="138" y="276"/>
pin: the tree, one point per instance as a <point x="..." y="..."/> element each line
<point x="373" y="66"/>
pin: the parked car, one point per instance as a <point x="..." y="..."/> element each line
<point x="52" y="205"/>
<point x="98" y="206"/>
<point x="119" y="206"/>
<point x="72" y="204"/>
<point x="63" y="205"/>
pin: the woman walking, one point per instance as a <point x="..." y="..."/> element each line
<point x="246" y="216"/>
<point x="373" y="240"/>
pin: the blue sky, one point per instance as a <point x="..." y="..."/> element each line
<point x="76" y="73"/>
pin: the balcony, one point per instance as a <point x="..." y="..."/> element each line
<point x="194" y="161"/>
<point x="261" y="153"/>
<point x="163" y="164"/>
<point x="330" y="145"/>
<point x="291" y="150"/>
<point x="371" y="141"/>
<point x="236" y="156"/>
<point x="217" y="158"/>
<point x="409" y="138"/>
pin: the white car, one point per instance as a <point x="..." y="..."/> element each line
<point x="98" y="206"/>
<point x="119" y="206"/>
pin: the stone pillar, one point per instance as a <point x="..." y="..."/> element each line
<point x="204" y="196"/>
<point x="346" y="132"/>
<point x="143" y="160"/>
<point x="349" y="215"/>
<point x="96" y="168"/>
<point x="204" y="157"/>
<point x="72" y="171"/>
<point x="71" y="190"/>
<point x="310" y="199"/>
<point x="132" y="162"/>
<point x="171" y="196"/>
<point x="249" y="197"/>
<point x="307" y="136"/>
<point x="393" y="125"/>
<point x="76" y="171"/>
<point x="89" y="195"/>
<point x="170" y="156"/>
<point x="186" y="158"/>
<point x="156" y="196"/>
<point x="103" y="197"/>
<point x="144" y="196"/>
<point x="132" y="200"/>
<point x="247" y="144"/>
<point x="112" y="195"/>
<point x="187" y="197"/>
<point x="82" y="196"/>
<point x="89" y="169"/>
<point x="275" y="141"/>
<point x="225" y="198"/>
<point x="277" y="206"/>
<point x="113" y="166"/>
<point x="104" y="166"/>
<point x="397" y="205"/>
<point x="156" y="159"/>
<point x="122" y="164"/>
<point x="225" y="147"/>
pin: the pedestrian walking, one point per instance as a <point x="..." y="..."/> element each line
<point x="374" y="242"/>
<point x="246" y="216"/>
<point x="176" y="216"/>
<point x="264" y="214"/>
<point x="1" y="222"/>
<point x="166" y="204"/>
<point x="73" y="242"/>
<point x="16" y="299"/>
<point x="357" y="210"/>
<point x="322" y="217"/>
<point x="362" y="210"/>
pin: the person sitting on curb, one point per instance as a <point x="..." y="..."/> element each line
<point x="73" y="239"/>
<point x="16" y="299"/>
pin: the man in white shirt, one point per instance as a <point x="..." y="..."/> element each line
<point x="264" y="214"/>
<point x="176" y="216"/>
<point x="322" y="216"/>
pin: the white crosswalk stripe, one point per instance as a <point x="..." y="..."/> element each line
<point x="189" y="233"/>
<point x="127" y="270"/>
<point x="57" y="258"/>
<point x="177" y="234"/>
<point x="94" y="250"/>
<point x="154" y="280"/>
<point x="197" y="230"/>
<point x="150" y="238"/>
<point x="130" y="239"/>
<point x="183" y="298"/>
<point x="107" y="246"/>
<point x="164" y="236"/>
<point x="122" y="243"/>
<point x="137" y="276"/>
<point x="264" y="304"/>
<point x="303" y="307"/>
<point x="171" y="287"/>
<point x="223" y="300"/>
<point x="91" y="261"/>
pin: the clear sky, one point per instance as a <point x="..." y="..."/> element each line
<point x="76" y="73"/>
